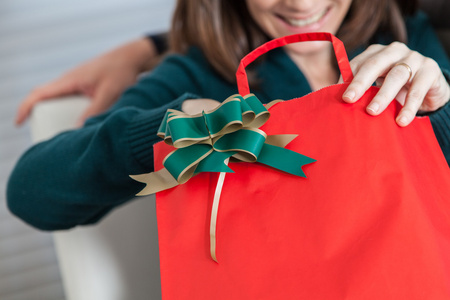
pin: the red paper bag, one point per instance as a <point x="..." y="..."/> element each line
<point x="370" y="221"/>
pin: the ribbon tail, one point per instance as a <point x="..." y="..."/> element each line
<point x="280" y="140"/>
<point x="284" y="159"/>
<point x="155" y="182"/>
<point x="214" y="213"/>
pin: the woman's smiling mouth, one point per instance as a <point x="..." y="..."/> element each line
<point x="304" y="22"/>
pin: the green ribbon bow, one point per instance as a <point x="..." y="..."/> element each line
<point x="204" y="141"/>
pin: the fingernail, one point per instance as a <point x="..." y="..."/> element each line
<point x="349" y="95"/>
<point x="373" y="108"/>
<point x="402" y="121"/>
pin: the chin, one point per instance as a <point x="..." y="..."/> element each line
<point x="308" y="48"/>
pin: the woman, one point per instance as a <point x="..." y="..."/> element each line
<point x="79" y="176"/>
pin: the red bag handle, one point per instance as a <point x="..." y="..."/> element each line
<point x="338" y="46"/>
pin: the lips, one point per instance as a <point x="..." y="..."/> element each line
<point x="305" y="21"/>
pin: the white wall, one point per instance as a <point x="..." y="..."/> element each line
<point x="39" y="40"/>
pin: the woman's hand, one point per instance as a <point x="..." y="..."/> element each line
<point x="196" y="106"/>
<point x="414" y="80"/>
<point x="102" y="79"/>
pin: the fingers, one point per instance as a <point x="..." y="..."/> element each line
<point x="54" y="89"/>
<point x="393" y="83"/>
<point x="102" y="79"/>
<point x="106" y="93"/>
<point x="414" y="80"/>
<point x="413" y="101"/>
<point x="370" y="65"/>
<point x="411" y="82"/>
<point x="421" y="86"/>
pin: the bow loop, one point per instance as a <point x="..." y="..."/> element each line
<point x="225" y="119"/>
<point x="182" y="130"/>
<point x="260" y="111"/>
<point x="247" y="143"/>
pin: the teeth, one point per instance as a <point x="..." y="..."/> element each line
<point x="305" y="22"/>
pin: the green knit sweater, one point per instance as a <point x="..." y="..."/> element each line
<point x="79" y="176"/>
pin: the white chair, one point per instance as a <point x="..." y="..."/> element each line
<point x="116" y="259"/>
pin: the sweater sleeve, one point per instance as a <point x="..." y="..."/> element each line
<point x="423" y="38"/>
<point x="440" y="120"/>
<point x="78" y="176"/>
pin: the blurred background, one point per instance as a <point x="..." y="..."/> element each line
<point x="39" y="40"/>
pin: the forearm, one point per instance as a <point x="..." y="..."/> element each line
<point x="139" y="54"/>
<point x="79" y="176"/>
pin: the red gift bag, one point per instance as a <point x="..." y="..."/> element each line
<point x="370" y="221"/>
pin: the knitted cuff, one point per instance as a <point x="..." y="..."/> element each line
<point x="142" y="131"/>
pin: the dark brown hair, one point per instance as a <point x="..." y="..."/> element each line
<point x="225" y="31"/>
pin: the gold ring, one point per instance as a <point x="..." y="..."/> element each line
<point x="407" y="68"/>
